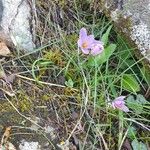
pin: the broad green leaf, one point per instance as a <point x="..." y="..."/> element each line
<point x="141" y="99"/>
<point x="92" y="61"/>
<point x="138" y="145"/>
<point x="105" y="36"/>
<point x="134" y="104"/>
<point x="130" y="83"/>
<point x="131" y="132"/>
<point x="108" y="51"/>
<point x="103" y="57"/>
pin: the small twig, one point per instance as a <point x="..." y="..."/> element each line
<point x="122" y="141"/>
<point x="7" y="92"/>
<point x="142" y="125"/>
<point x="104" y="142"/>
<point x="41" y="82"/>
<point x="147" y="93"/>
<point x="78" y="122"/>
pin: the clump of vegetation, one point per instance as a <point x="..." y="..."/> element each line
<point x="94" y="94"/>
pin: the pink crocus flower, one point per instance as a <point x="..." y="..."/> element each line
<point x="85" y="41"/>
<point x="88" y="44"/>
<point x="119" y="103"/>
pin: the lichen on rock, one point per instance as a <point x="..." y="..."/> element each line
<point x="137" y="12"/>
<point x="25" y="145"/>
<point x="141" y="35"/>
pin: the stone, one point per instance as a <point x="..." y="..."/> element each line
<point x="1" y="10"/>
<point x="25" y="145"/>
<point x="15" y="27"/>
<point x="132" y="17"/>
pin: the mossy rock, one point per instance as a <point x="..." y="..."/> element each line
<point x="131" y="18"/>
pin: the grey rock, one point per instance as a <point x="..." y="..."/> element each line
<point x="16" y="24"/>
<point x="133" y="18"/>
<point x="1" y="10"/>
<point x="25" y="145"/>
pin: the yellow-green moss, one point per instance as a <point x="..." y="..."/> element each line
<point x="5" y="107"/>
<point x="55" y="56"/>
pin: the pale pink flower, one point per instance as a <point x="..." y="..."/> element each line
<point x="85" y="41"/>
<point x="88" y="44"/>
<point x="119" y="103"/>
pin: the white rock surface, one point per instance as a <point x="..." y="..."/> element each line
<point x="29" y="145"/>
<point x="15" y="24"/>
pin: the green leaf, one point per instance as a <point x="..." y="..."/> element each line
<point x="108" y="51"/>
<point x="103" y="57"/>
<point x="135" y="104"/>
<point x="141" y="99"/>
<point x="131" y="132"/>
<point x="45" y="63"/>
<point x="138" y="145"/>
<point x="104" y="38"/>
<point x="130" y="83"/>
<point x="69" y="83"/>
<point x="39" y="62"/>
<point x="92" y="61"/>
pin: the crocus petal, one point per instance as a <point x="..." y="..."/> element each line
<point x="113" y="105"/>
<point x="90" y="40"/>
<point x="125" y="109"/>
<point x="80" y="43"/>
<point x="83" y="33"/>
<point x="97" y="47"/>
<point x="120" y="98"/>
<point x="85" y="43"/>
<point x="118" y="103"/>
<point x="85" y="51"/>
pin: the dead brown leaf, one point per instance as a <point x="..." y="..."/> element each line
<point x="6" y="135"/>
<point x="4" y="50"/>
<point x="2" y="74"/>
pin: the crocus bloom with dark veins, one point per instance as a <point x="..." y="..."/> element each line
<point x="119" y="103"/>
<point x="85" y="41"/>
<point x="96" y="47"/>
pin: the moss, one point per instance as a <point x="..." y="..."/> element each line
<point x="25" y="105"/>
<point x="5" y="107"/>
<point x="72" y="38"/>
<point x="8" y="115"/>
<point x="55" y="56"/>
<point x="45" y="98"/>
<point x="24" y="102"/>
